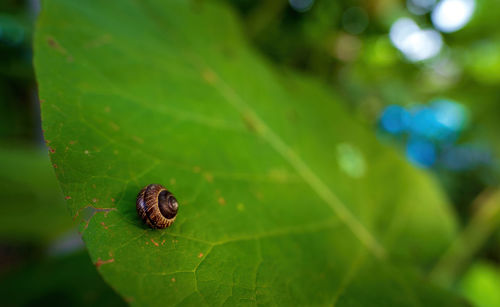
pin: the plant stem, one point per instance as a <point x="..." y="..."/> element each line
<point x="470" y="241"/>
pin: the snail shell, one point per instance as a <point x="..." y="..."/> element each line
<point x="156" y="206"/>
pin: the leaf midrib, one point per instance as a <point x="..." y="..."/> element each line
<point x="285" y="151"/>
<point x="268" y="135"/>
<point x="309" y="176"/>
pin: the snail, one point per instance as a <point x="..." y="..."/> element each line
<point x="156" y="206"/>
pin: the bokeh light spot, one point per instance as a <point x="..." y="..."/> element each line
<point x="11" y="31"/>
<point x="395" y="119"/>
<point x="421" y="152"/>
<point x="301" y="5"/>
<point x="347" y="47"/>
<point x="351" y="160"/>
<point x="452" y="15"/>
<point x="424" y="122"/>
<point x="415" y="43"/>
<point x="450" y="114"/>
<point x="465" y="157"/>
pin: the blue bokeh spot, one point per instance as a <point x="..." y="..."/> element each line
<point x="424" y="123"/>
<point x="421" y="152"/>
<point x="395" y="119"/>
<point x="450" y="114"/>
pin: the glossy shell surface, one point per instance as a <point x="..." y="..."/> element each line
<point x="156" y="206"/>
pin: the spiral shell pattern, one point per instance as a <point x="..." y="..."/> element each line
<point x="156" y="206"/>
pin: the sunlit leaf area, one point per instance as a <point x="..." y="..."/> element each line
<point x="309" y="152"/>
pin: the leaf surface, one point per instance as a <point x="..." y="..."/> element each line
<point x="284" y="198"/>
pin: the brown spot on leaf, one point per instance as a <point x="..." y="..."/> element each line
<point x="100" y="262"/>
<point x="42" y="101"/>
<point x="67" y="197"/>
<point x="94" y="200"/>
<point x="112" y="200"/>
<point x="200" y="255"/>
<point x="138" y="139"/>
<point x="173" y="279"/>
<point x="55" y="45"/>
<point x="221" y="201"/>
<point x="172" y="181"/>
<point x="154" y="242"/>
<point x="104" y="225"/>
<point x="208" y="177"/>
<point x="54" y="165"/>
<point x="52" y="150"/>
<point x="114" y="126"/>
<point x="52" y="42"/>
<point x="162" y="242"/>
<point x="209" y="76"/>
<point x="196" y="169"/>
<point x="249" y="123"/>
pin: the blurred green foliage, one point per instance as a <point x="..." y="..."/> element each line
<point x="30" y="197"/>
<point x="480" y="284"/>
<point x="370" y="73"/>
<point x="66" y="280"/>
<point x="18" y="113"/>
<point x="42" y="260"/>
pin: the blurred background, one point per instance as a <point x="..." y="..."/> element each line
<point x="423" y="75"/>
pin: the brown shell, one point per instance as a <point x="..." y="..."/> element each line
<point x="149" y="201"/>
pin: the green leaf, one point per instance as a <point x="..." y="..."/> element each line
<point x="284" y="198"/>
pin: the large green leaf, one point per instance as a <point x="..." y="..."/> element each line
<point x="284" y="199"/>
